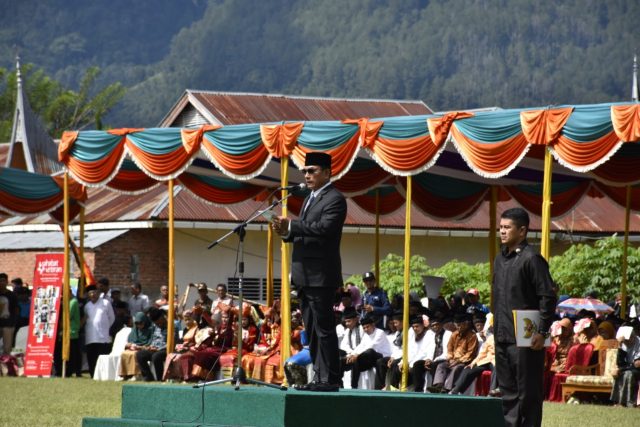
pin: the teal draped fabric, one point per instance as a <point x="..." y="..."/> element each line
<point x="491" y="127"/>
<point x="94" y="145"/>
<point x="404" y="127"/>
<point x="447" y="187"/>
<point x="157" y="141"/>
<point x="27" y="185"/>
<point x="221" y="183"/>
<point x="236" y="139"/>
<point x="324" y="136"/>
<point x="588" y="122"/>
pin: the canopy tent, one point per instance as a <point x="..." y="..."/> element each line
<point x="450" y="161"/>
<point x="25" y="193"/>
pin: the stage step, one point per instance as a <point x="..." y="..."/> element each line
<point x="124" y="422"/>
<point x="221" y="405"/>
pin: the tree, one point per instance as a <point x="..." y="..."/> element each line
<point x="60" y="108"/>
<point x="584" y="268"/>
<point x="458" y="274"/>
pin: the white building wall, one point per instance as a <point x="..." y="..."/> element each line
<point x="194" y="263"/>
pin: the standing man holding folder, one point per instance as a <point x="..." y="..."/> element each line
<point x="521" y="281"/>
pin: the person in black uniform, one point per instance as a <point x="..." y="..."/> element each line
<point x="316" y="270"/>
<point x="521" y="281"/>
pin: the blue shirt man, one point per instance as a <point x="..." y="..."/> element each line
<point x="375" y="301"/>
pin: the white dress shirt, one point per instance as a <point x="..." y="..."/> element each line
<point x="100" y="317"/>
<point x="431" y="345"/>
<point x="377" y="341"/>
<point x="348" y="342"/>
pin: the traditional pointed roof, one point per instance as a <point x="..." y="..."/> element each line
<point x="31" y="148"/>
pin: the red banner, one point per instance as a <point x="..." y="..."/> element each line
<point x="45" y="312"/>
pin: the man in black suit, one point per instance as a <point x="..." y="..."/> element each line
<point x="316" y="270"/>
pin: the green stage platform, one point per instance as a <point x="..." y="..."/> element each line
<point x="221" y="405"/>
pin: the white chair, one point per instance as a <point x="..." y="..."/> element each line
<point x="367" y="380"/>
<point x="108" y="364"/>
<point x="20" y="346"/>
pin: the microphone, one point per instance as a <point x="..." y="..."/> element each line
<point x="295" y="187"/>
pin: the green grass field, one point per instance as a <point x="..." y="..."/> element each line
<point x="31" y="402"/>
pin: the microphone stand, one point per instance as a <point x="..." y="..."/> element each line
<point x="240" y="376"/>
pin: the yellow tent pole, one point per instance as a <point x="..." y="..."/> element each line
<point x="545" y="243"/>
<point x="83" y="277"/>
<point x="493" y="249"/>
<point x="269" y="262"/>
<point x="377" y="245"/>
<point x="172" y="273"/>
<point x="285" y="293"/>
<point x="625" y="253"/>
<point x="407" y="280"/>
<point x="66" y="321"/>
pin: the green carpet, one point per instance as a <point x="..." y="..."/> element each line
<point x="168" y="405"/>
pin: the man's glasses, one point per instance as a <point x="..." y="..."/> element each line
<point x="310" y="171"/>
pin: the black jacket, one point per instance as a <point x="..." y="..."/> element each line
<point x="316" y="241"/>
<point x="521" y="281"/>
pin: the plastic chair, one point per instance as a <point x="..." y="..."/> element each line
<point x="20" y="346"/>
<point x="579" y="356"/>
<point x="108" y="364"/>
<point x="367" y="380"/>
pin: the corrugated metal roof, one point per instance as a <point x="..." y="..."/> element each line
<point x="52" y="239"/>
<point x="238" y="108"/>
<point x="591" y="216"/>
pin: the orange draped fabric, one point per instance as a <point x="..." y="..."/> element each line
<point x="66" y="142"/>
<point x="405" y="155"/>
<point x="368" y="130"/>
<point x="244" y="164"/>
<point x="280" y="139"/>
<point x="490" y="158"/>
<point x="626" y="122"/>
<point x="341" y="156"/>
<point x="124" y="131"/>
<point x="192" y="138"/>
<point x="584" y="154"/>
<point x="98" y="171"/>
<point x="542" y="127"/>
<point x="20" y="205"/>
<point x="161" y="165"/>
<point x="439" y="126"/>
<point x="216" y="195"/>
<point x="77" y="191"/>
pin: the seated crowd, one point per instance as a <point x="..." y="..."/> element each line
<point x="450" y="342"/>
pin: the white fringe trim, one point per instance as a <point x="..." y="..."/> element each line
<point x="348" y="167"/>
<point x="159" y="177"/>
<point x="590" y="167"/>
<point x="131" y="193"/>
<point x="104" y="181"/>
<point x="485" y="174"/>
<point x="34" y="214"/>
<point x="231" y="174"/>
<point x="397" y="172"/>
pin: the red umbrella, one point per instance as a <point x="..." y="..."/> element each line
<point x="574" y="305"/>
